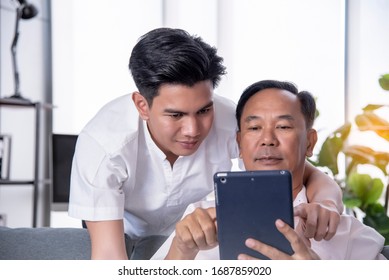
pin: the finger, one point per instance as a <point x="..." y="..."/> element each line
<point x="299" y="226"/>
<point x="309" y="216"/>
<point x="266" y="250"/>
<point x="190" y="230"/>
<point x="311" y="224"/>
<point x="209" y="235"/>
<point x="212" y="236"/>
<point x="246" y="257"/>
<point x="301" y="211"/>
<point x="185" y="238"/>
<point x="299" y="247"/>
<point x="322" y="224"/>
<point x="204" y="233"/>
<point x="211" y="212"/>
<point x="332" y="226"/>
<point x="300" y="229"/>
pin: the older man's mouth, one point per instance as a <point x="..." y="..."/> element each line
<point x="269" y="160"/>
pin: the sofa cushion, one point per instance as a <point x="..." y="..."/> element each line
<point x="44" y="244"/>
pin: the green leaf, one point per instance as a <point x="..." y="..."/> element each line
<point x="365" y="188"/>
<point x="328" y="155"/>
<point x="351" y="202"/>
<point x="357" y="183"/>
<point x="384" y="81"/>
<point x="374" y="191"/>
<point x="376" y="218"/>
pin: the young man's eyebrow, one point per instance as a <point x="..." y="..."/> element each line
<point x="207" y="106"/>
<point x="173" y="111"/>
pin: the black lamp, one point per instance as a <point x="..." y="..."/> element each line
<point x="23" y="11"/>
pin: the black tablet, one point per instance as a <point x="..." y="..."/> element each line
<point x="247" y="205"/>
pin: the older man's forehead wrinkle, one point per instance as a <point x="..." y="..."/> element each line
<point x="281" y="117"/>
<point x="286" y="117"/>
<point x="251" y="118"/>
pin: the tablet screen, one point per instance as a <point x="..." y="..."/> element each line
<point x="247" y="205"/>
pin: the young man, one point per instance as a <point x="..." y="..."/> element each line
<point x="275" y="133"/>
<point x="146" y="156"/>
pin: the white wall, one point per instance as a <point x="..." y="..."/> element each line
<point x="33" y="59"/>
<point x="301" y="41"/>
<point x="92" y="41"/>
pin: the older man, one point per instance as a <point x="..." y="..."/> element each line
<point x="275" y="132"/>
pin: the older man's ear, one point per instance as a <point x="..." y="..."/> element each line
<point x="311" y="141"/>
<point x="238" y="141"/>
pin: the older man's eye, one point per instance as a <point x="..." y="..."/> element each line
<point x="253" y="128"/>
<point x="284" y="127"/>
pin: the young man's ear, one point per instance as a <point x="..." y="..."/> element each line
<point x="141" y="105"/>
<point x="311" y="141"/>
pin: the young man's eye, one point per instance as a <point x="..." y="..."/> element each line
<point x="204" y="111"/>
<point x="253" y="128"/>
<point x="176" y="115"/>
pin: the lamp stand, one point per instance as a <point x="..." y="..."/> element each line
<point x="16" y="97"/>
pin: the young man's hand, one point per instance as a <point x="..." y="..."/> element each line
<point x="197" y="231"/>
<point x="318" y="220"/>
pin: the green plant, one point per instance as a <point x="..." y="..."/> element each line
<point x="361" y="190"/>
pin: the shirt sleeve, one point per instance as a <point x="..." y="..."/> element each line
<point x="353" y="241"/>
<point x="365" y="243"/>
<point x="96" y="180"/>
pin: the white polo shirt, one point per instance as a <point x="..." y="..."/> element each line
<point x="352" y="241"/>
<point x="118" y="171"/>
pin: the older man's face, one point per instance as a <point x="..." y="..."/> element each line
<point x="274" y="135"/>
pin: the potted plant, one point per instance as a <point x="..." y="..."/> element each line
<point x="361" y="192"/>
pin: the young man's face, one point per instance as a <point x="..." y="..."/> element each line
<point x="180" y="118"/>
<point x="274" y="135"/>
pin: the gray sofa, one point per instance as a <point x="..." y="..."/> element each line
<point x="62" y="244"/>
<point x="44" y="244"/>
<point x="57" y="244"/>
